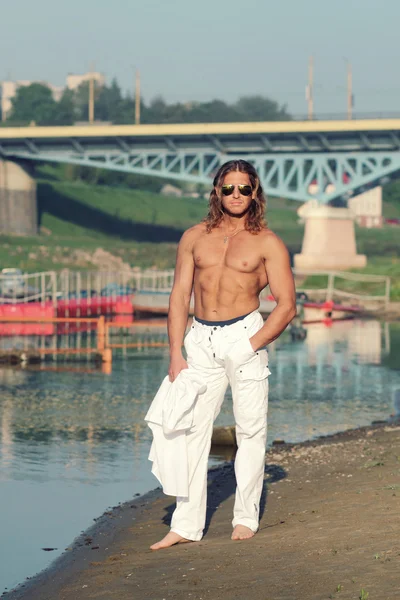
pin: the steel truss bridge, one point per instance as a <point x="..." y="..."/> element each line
<point x="334" y="159"/>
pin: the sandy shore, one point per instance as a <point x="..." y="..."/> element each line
<point x="330" y="529"/>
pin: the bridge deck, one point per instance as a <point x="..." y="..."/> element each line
<point x="194" y="129"/>
<point x="226" y="138"/>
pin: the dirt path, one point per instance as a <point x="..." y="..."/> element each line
<point x="330" y="529"/>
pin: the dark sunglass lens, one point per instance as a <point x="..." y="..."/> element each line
<point x="245" y="190"/>
<point x="227" y="190"/>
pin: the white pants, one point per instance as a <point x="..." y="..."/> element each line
<point x="222" y="355"/>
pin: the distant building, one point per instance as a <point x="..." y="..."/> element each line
<point x="57" y="90"/>
<point x="74" y="81"/>
<point x="366" y="207"/>
<point x="8" y="91"/>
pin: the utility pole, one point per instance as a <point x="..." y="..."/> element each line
<point x="349" y="91"/>
<point x="91" y="95"/>
<point x="3" y="112"/>
<point x="137" y="98"/>
<point x="309" y="88"/>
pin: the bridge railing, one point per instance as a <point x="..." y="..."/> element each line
<point x="342" y="116"/>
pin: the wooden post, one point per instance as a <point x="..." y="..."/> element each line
<point x="101" y="332"/>
<point x="107" y="356"/>
<point x="106" y="368"/>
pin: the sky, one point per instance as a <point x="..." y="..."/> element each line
<point x="188" y="51"/>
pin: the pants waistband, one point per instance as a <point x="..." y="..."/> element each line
<point x="222" y="323"/>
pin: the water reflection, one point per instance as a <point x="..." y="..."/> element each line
<point x="77" y="403"/>
<point x="73" y="438"/>
<point x="326" y="383"/>
<point x="329" y="369"/>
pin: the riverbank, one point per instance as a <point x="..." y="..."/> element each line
<point x="330" y="529"/>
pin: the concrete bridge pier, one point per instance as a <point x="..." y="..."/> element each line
<point x="18" y="203"/>
<point x="329" y="241"/>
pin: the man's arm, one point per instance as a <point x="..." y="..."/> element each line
<point x="281" y="283"/>
<point x="179" y="302"/>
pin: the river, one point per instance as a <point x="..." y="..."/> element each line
<point x="73" y="441"/>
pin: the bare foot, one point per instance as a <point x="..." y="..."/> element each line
<point x="241" y="532"/>
<point x="170" y="539"/>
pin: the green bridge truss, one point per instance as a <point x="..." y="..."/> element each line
<point x="327" y="165"/>
<point x="327" y="177"/>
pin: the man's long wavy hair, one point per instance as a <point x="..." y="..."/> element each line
<point x="255" y="220"/>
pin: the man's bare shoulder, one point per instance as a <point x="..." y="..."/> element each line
<point x="193" y="233"/>
<point x="271" y="243"/>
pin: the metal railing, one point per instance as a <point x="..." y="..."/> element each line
<point x="154" y="281"/>
<point x="16" y="286"/>
<point x="91" y="285"/>
<point x="343" y="116"/>
<point x="143" y="340"/>
<point x="95" y="343"/>
<point x="53" y="286"/>
<point x="87" y="284"/>
<point x="374" y="292"/>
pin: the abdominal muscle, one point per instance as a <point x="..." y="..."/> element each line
<point x="221" y="293"/>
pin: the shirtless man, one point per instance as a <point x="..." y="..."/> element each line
<point x="228" y="259"/>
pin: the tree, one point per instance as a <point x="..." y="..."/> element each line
<point x="108" y="102"/>
<point x="35" y="103"/>
<point x="258" y="108"/>
<point x="65" y="110"/>
<point x="155" y="112"/>
<point x="252" y="108"/>
<point x="391" y="192"/>
<point x="215" y="111"/>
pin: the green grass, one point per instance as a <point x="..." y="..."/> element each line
<point x="122" y="205"/>
<point x="378" y="242"/>
<point x="140" y="207"/>
<point x="391" y="210"/>
<point x="143" y="229"/>
<point x="46" y="253"/>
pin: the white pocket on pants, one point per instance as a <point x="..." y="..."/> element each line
<point x="253" y="371"/>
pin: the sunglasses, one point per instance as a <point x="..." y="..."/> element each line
<point x="245" y="190"/>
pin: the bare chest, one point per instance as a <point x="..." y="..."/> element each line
<point x="239" y="253"/>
